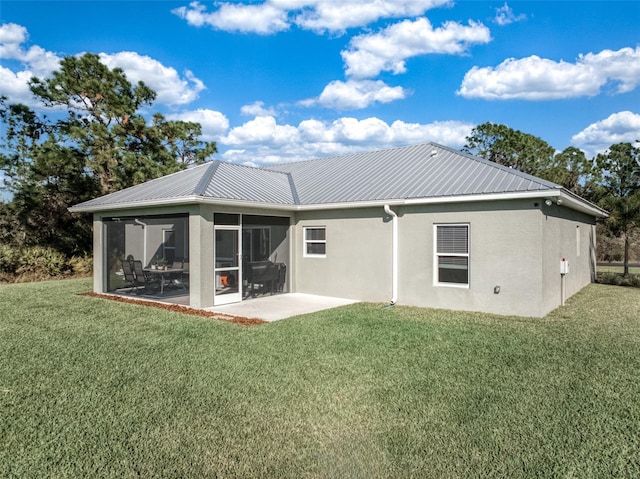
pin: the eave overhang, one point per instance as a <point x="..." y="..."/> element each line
<point x="559" y="196"/>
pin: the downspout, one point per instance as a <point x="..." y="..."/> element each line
<point x="394" y="254"/>
<point x="144" y="246"/>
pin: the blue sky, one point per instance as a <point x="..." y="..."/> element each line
<point x="281" y="80"/>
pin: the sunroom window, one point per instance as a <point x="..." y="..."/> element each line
<point x="452" y="255"/>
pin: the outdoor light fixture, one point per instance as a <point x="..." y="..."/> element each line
<point x="548" y="202"/>
<point x="559" y="201"/>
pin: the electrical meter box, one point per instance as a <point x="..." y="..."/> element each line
<point x="564" y="266"/>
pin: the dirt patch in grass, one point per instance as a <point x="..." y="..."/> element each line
<point x="181" y="309"/>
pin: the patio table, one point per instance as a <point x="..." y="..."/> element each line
<point x="162" y="273"/>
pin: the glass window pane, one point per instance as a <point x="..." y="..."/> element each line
<point x="316" y="248"/>
<point x="169" y="239"/>
<point x="226" y="219"/>
<point x="315" y="234"/>
<point x="453" y="270"/>
<point x="226" y="282"/>
<point x="226" y="248"/>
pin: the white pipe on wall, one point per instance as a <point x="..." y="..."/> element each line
<point x="394" y="253"/>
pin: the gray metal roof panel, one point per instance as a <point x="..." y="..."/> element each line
<point x="176" y="185"/>
<point x="245" y="183"/>
<point x="420" y="171"/>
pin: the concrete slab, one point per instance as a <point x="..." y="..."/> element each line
<point x="281" y="306"/>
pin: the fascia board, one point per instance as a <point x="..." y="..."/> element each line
<point x="567" y="200"/>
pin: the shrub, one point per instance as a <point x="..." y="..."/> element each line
<point x="19" y="264"/>
<point x="9" y="259"/>
<point x="42" y="262"/>
<point x="618" y="279"/>
<point x="81" y="265"/>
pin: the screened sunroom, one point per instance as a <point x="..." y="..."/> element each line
<point x="148" y="256"/>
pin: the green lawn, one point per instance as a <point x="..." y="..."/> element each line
<point x="618" y="269"/>
<point x="95" y="388"/>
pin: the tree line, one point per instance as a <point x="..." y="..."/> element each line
<point x="610" y="180"/>
<point x="95" y="140"/>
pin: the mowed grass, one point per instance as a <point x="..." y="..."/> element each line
<point x="618" y="269"/>
<point x="95" y="388"/>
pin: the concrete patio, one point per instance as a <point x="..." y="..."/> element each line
<point x="281" y="306"/>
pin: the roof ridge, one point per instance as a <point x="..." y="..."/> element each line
<point x="251" y="167"/>
<point x="364" y="152"/>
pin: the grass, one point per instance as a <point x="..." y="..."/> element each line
<point x="618" y="269"/>
<point x="93" y="388"/>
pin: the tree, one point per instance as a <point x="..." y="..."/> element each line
<point x="576" y="173"/>
<point x="620" y="170"/>
<point x="512" y="148"/>
<point x="99" y="144"/>
<point x="103" y="120"/>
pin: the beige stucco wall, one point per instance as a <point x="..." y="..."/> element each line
<point x="504" y="250"/>
<point x="570" y="235"/>
<point x="514" y="244"/>
<point x="358" y="259"/>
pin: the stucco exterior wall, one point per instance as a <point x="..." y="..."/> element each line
<point x="99" y="254"/>
<point x="505" y="244"/>
<point x="358" y="260"/>
<point x="570" y="235"/>
<point x="515" y="245"/>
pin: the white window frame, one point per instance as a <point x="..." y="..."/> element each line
<point x="437" y="255"/>
<point x="306" y="242"/>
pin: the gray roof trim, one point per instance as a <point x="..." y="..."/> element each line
<point x="294" y="192"/>
<point x="570" y="199"/>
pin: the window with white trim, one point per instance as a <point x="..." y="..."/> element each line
<point x="315" y="241"/>
<point x="452" y="255"/>
<point x="168" y="244"/>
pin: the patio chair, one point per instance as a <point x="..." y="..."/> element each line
<point x="130" y="278"/>
<point x="177" y="279"/>
<point x="184" y="277"/>
<point x="145" y="280"/>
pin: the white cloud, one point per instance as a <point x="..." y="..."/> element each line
<point x="264" y="141"/>
<point x="15" y="86"/>
<point x="214" y="124"/>
<point x="257" y="109"/>
<point x="272" y="16"/>
<point x="622" y="127"/>
<point x="264" y="18"/>
<point x="337" y="15"/>
<point x="387" y="50"/>
<point x="263" y="131"/>
<point x="35" y="62"/>
<point x="165" y="81"/>
<point x="505" y="16"/>
<point x="12" y="36"/>
<point x="172" y="89"/>
<point x="535" y="78"/>
<point x="355" y="94"/>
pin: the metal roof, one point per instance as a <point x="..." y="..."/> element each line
<point x="211" y="180"/>
<point x="425" y="171"/>
<point x="420" y="171"/>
